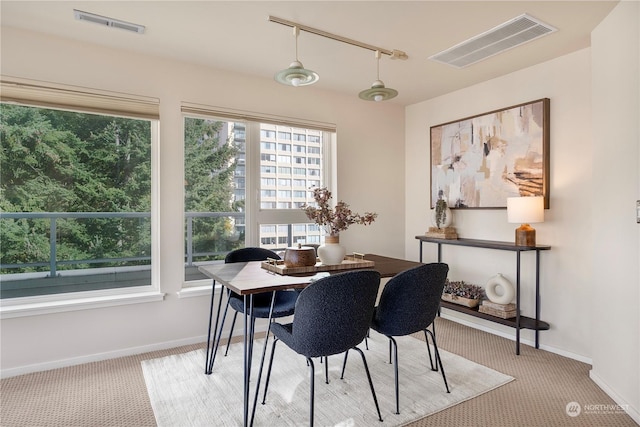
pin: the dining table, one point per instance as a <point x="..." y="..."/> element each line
<point x="249" y="278"/>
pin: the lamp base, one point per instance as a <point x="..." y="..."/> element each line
<point x="525" y="235"/>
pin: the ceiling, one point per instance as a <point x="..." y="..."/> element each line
<point x="237" y="36"/>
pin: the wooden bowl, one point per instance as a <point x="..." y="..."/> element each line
<point x="300" y="256"/>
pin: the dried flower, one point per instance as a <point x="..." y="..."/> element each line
<point x="462" y="289"/>
<point x="334" y="220"/>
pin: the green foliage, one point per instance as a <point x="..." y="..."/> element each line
<point x="209" y="170"/>
<point x="60" y="161"/>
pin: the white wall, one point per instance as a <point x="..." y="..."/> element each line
<point x="590" y="279"/>
<point x="370" y="164"/>
<point x="616" y="249"/>
<point x="564" y="278"/>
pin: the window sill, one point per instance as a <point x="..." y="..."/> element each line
<point x="49" y="307"/>
<point x="197" y="291"/>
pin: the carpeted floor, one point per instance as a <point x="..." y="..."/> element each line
<point x="113" y="392"/>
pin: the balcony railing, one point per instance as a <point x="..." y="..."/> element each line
<point x="53" y="263"/>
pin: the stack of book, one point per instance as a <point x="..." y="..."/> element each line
<point x="503" y="311"/>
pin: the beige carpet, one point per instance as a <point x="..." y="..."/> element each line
<point x="181" y="395"/>
<point x="113" y="392"/>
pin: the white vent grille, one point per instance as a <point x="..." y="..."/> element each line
<point x="109" y="22"/>
<point x="506" y="36"/>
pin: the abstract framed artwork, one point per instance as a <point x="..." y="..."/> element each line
<point x="479" y="161"/>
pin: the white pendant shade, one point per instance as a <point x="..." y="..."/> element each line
<point x="378" y="91"/>
<point x="296" y="75"/>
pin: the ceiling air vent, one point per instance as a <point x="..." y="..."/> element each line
<point x="108" y="22"/>
<point x="506" y="36"/>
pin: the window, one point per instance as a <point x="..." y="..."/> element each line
<point x="268" y="220"/>
<point x="75" y="193"/>
<point x="299" y="160"/>
<point x="313" y="150"/>
<point x="313" y="161"/>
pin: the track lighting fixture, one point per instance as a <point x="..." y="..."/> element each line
<point x="378" y="91"/>
<point x="296" y="75"/>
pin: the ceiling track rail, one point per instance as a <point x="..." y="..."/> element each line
<point x="393" y="54"/>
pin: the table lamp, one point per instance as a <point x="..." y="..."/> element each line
<point x="525" y="210"/>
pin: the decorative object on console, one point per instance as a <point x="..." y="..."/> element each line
<point x="333" y="221"/>
<point x="503" y="311"/>
<point x="459" y="292"/>
<point x="499" y="289"/>
<point x="442" y="218"/>
<point x="525" y="210"/>
<point x="479" y="161"/>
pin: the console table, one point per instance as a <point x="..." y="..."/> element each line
<point x="520" y="321"/>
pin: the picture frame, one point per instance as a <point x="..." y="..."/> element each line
<point x="479" y="161"/>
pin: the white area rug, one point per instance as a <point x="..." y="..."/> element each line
<point x="182" y="395"/>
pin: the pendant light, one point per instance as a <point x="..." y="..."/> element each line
<point x="378" y="92"/>
<point x="296" y="75"/>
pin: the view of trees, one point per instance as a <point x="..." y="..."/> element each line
<point x="209" y="169"/>
<point x="62" y="161"/>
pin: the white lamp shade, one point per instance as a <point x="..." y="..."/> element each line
<point x="525" y="210"/>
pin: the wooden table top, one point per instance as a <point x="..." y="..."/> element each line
<point x="246" y="278"/>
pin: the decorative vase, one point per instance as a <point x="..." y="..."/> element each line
<point x="331" y="252"/>
<point x="446" y="220"/>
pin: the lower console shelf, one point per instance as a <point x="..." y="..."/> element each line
<point x="525" y="322"/>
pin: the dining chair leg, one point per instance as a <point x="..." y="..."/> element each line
<point x="233" y="324"/>
<point x="426" y="339"/>
<point x="326" y="369"/>
<point x="344" y="364"/>
<point x="438" y="360"/>
<point x="373" y="391"/>
<point x="266" y="385"/>
<point x="395" y="371"/>
<point x="311" y="390"/>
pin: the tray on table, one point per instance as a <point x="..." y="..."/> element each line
<point x="349" y="263"/>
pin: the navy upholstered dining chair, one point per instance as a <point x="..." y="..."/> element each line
<point x="283" y="305"/>
<point x="409" y="303"/>
<point x="333" y="315"/>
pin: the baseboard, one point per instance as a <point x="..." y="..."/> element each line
<point x="634" y="413"/>
<point x="47" y="366"/>
<point x="512" y="336"/>
<point x="63" y="363"/>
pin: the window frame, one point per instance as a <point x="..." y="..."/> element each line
<point x="46" y="95"/>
